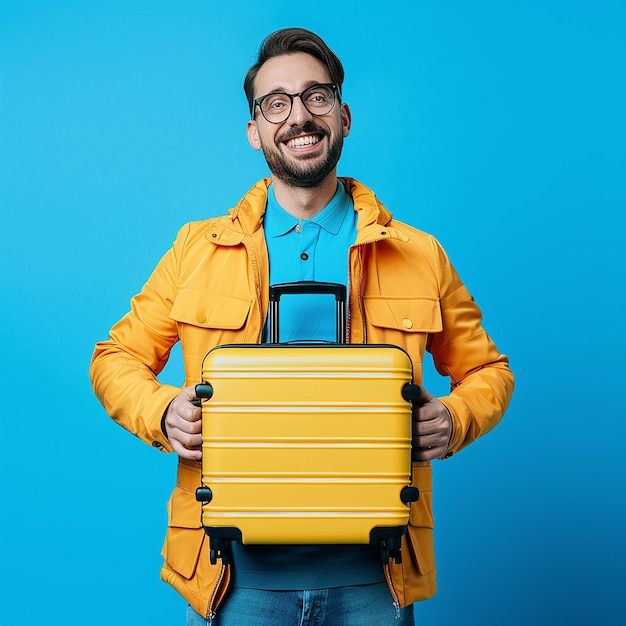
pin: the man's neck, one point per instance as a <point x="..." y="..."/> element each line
<point x="305" y="203"/>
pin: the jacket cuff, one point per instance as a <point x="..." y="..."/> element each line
<point x="456" y="407"/>
<point x="156" y="433"/>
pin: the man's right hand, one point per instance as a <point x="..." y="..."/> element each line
<point x="183" y="425"/>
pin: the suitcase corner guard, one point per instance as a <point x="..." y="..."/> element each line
<point x="389" y="541"/>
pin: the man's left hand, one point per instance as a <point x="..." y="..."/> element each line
<point x="432" y="428"/>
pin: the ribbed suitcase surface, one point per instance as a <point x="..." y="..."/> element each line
<point x="306" y="443"/>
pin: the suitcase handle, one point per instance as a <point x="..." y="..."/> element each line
<point x="305" y="287"/>
<point x="308" y="286"/>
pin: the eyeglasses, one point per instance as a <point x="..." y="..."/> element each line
<point x="317" y="100"/>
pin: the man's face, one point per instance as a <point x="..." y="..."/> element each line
<point x="303" y="150"/>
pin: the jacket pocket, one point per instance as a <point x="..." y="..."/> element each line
<point x="421" y="523"/>
<point x="205" y="320"/>
<point x="209" y="310"/>
<point x="185" y="534"/>
<point x="409" y="315"/>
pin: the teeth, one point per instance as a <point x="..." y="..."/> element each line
<point x="300" y="142"/>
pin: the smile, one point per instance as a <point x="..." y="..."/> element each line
<point x="302" y="142"/>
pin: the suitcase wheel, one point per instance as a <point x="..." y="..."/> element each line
<point x="390" y="549"/>
<point x="220" y="549"/>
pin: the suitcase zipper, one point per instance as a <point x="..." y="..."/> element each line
<point x="392" y="589"/>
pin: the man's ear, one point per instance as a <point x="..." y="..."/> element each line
<point x="253" y="134"/>
<point x="346" y="119"/>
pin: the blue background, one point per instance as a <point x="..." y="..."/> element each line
<point x="497" y="126"/>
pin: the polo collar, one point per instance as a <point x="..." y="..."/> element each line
<point x="330" y="218"/>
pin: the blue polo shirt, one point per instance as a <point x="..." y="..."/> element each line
<point x="312" y="249"/>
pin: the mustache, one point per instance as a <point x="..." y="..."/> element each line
<point x="307" y="129"/>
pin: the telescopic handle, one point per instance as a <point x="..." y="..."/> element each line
<point x="307" y="287"/>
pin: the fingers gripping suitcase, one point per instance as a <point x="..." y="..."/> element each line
<point x="306" y="443"/>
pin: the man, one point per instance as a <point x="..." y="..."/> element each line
<point x="211" y="288"/>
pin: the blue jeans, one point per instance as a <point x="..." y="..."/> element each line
<point x="363" y="605"/>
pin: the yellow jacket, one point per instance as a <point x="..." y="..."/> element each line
<point x="211" y="288"/>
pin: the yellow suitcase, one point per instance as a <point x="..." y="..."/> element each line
<point x="306" y="443"/>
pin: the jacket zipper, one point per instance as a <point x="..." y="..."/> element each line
<point x="359" y="248"/>
<point x="356" y="247"/>
<point x="348" y="307"/>
<point x="257" y="285"/>
<point x="392" y="589"/>
<point x="359" y="298"/>
<point x="211" y="607"/>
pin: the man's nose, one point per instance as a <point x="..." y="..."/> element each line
<point x="299" y="113"/>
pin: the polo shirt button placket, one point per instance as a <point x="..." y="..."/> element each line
<point x="309" y="234"/>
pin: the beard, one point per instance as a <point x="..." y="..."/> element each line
<point x="304" y="173"/>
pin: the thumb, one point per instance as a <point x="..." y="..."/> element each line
<point x="425" y="396"/>
<point x="190" y="392"/>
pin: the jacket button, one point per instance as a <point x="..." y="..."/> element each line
<point x="201" y="317"/>
<point x="407" y="323"/>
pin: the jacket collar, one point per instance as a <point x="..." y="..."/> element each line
<point x="249" y="211"/>
<point x="247" y="216"/>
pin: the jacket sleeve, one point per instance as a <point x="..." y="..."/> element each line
<point x="481" y="381"/>
<point x="124" y="368"/>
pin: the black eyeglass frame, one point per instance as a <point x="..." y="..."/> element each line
<point x="257" y="101"/>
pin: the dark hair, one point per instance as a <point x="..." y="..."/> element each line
<point x="288" y="41"/>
